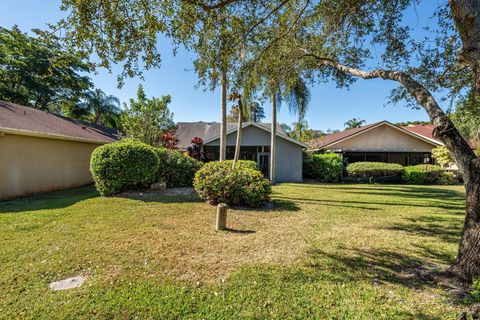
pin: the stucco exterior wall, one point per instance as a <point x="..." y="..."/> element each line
<point x="289" y="157"/>
<point x="30" y="165"/>
<point x="383" y="138"/>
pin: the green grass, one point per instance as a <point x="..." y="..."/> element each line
<point x="325" y="252"/>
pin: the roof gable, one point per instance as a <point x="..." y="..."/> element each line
<point x="336" y="138"/>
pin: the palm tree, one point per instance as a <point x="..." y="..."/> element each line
<point x="236" y="96"/>
<point x="297" y="95"/>
<point x="354" y="123"/>
<point x="104" y="109"/>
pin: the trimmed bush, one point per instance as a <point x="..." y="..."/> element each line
<point x="176" y="168"/>
<point x="374" y="169"/>
<point x="216" y="183"/>
<point x="427" y="174"/>
<point x="323" y="167"/>
<point x="123" y="165"/>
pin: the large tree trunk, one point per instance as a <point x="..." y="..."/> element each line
<point x="466" y="14"/>
<point x="223" y="115"/>
<point x="467" y="264"/>
<point x="239" y="133"/>
<point x="273" y="138"/>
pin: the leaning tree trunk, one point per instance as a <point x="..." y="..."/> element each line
<point x="273" y="137"/>
<point x="467" y="264"/>
<point x="223" y="116"/>
<point x="239" y="133"/>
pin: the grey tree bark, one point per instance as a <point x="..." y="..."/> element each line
<point x="223" y="117"/>
<point x="273" y="138"/>
<point x="238" y="143"/>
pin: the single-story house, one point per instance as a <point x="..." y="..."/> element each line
<point x="42" y="151"/>
<point x="255" y="146"/>
<point x="382" y="142"/>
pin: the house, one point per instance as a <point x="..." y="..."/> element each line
<point x="382" y="142"/>
<point x="41" y="151"/>
<point x="255" y="146"/>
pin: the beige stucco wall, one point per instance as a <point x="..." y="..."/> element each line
<point x="30" y="165"/>
<point x="383" y="138"/>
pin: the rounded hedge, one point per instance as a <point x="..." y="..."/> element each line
<point x="374" y="169"/>
<point x="216" y="182"/>
<point x="176" y="168"/>
<point x="123" y="165"/>
<point x="323" y="167"/>
<point x="427" y="174"/>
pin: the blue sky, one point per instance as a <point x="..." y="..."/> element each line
<point x="330" y="107"/>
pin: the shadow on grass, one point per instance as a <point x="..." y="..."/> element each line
<point x="442" y="228"/>
<point x="146" y="197"/>
<point x="52" y="200"/>
<point x="373" y="265"/>
<point x="239" y="231"/>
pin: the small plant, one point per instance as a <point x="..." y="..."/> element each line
<point x="123" y="165"/>
<point x="427" y="174"/>
<point x="195" y="149"/>
<point x="216" y="182"/>
<point x="323" y="167"/>
<point x="475" y="292"/>
<point x="374" y="169"/>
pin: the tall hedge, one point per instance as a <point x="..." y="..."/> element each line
<point x="427" y="174"/>
<point x="323" y="167"/>
<point x="216" y="182"/>
<point x="123" y="165"/>
<point x="374" y="169"/>
<point x="176" y="168"/>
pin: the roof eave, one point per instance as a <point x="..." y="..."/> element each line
<point x="35" y="134"/>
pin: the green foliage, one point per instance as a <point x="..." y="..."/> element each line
<point x="39" y="72"/>
<point x="123" y="165"/>
<point x="374" y="169"/>
<point x="216" y="183"/>
<point x="99" y="108"/>
<point x="442" y="156"/>
<point x="176" y="168"/>
<point x="475" y="292"/>
<point x="467" y="116"/>
<point x="323" y="167"/>
<point x="147" y="119"/>
<point x="427" y="174"/>
<point x="354" y="123"/>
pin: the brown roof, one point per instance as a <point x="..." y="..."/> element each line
<point x="425" y="131"/>
<point x="186" y="131"/>
<point x="337" y="136"/>
<point x="26" y="120"/>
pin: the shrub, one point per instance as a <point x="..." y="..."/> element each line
<point x="216" y="183"/>
<point x="427" y="174"/>
<point x="324" y="167"/>
<point x="176" y="169"/>
<point x="123" y="165"/>
<point x="374" y="169"/>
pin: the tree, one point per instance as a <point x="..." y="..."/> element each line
<point x="318" y="42"/>
<point x="169" y="140"/>
<point x="467" y="117"/>
<point x="354" y="123"/>
<point x="232" y="116"/>
<point x="147" y="119"/>
<point x="286" y="128"/>
<point x="99" y="108"/>
<point x="38" y="72"/>
<point x="300" y="131"/>
<point x="237" y="97"/>
<point x="442" y="156"/>
<point x="257" y="114"/>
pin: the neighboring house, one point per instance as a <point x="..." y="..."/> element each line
<point x="255" y="146"/>
<point x="382" y="142"/>
<point x="41" y="151"/>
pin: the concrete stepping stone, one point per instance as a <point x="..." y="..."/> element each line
<point x="69" y="283"/>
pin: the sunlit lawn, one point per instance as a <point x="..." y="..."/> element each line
<point x="325" y="251"/>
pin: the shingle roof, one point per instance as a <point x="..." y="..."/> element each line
<point x="28" y="120"/>
<point x="186" y="131"/>
<point x="425" y="131"/>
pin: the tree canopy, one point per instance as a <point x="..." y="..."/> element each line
<point x="38" y="71"/>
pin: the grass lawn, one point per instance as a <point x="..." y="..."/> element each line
<point x="326" y="251"/>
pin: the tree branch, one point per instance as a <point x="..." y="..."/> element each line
<point x="443" y="126"/>
<point x="210" y="7"/>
